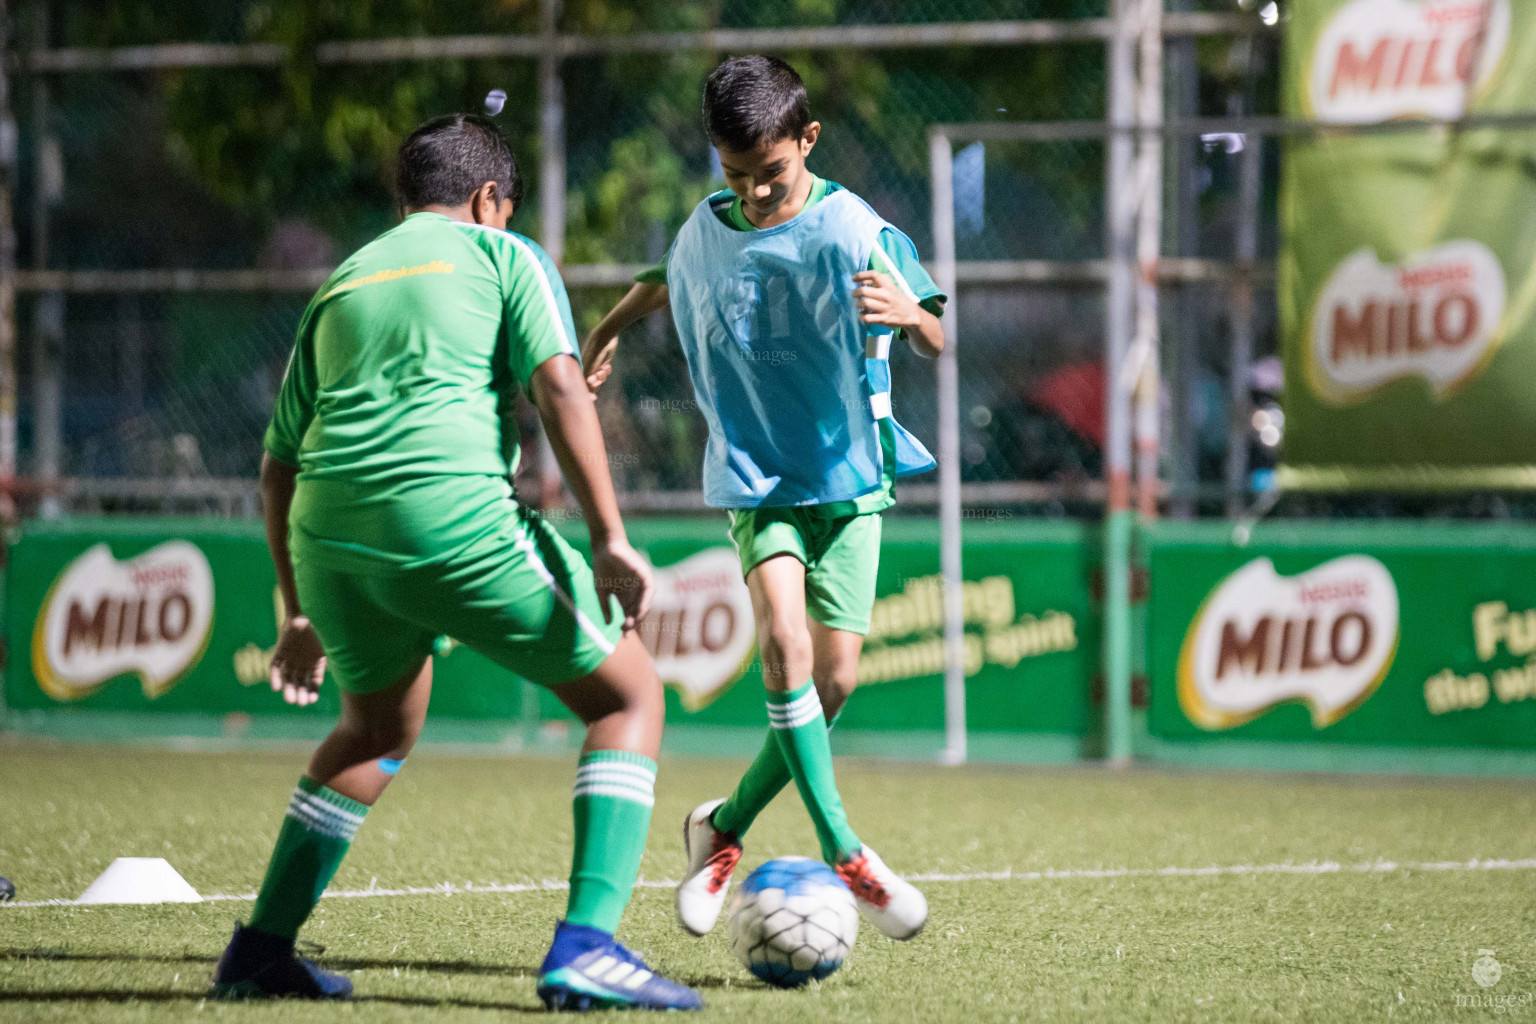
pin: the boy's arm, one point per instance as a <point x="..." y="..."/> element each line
<point x="880" y="301"/>
<point x="298" y="660"/>
<point x="570" y="421"/>
<point x="597" y="352"/>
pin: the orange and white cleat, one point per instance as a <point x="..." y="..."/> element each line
<point x="896" y="908"/>
<point x="712" y="858"/>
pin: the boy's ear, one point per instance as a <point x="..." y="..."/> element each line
<point x="485" y="207"/>
<point x="808" y="138"/>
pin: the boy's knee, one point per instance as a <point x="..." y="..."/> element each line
<point x="835" y="687"/>
<point x="786" y="650"/>
<point x="386" y="737"/>
<point x="646" y="699"/>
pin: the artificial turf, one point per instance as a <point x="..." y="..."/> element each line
<point x="1393" y="942"/>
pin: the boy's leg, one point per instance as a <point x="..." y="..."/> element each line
<point x="835" y="669"/>
<point x="795" y="714"/>
<point x="796" y="749"/>
<point x="586" y="968"/>
<point x="528" y="601"/>
<point x="621" y="704"/>
<point x="346" y="775"/>
<point x="839" y="592"/>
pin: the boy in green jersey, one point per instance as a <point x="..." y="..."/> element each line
<point x="392" y="520"/>
<point x="802" y="555"/>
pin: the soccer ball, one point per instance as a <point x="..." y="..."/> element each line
<point x="793" y="920"/>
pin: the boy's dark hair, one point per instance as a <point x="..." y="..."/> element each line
<point x="750" y="101"/>
<point x="444" y="161"/>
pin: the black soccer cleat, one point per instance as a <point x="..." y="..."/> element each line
<point x="257" y="965"/>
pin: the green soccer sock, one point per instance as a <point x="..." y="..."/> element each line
<point x="612" y="801"/>
<point x="765" y="779"/>
<point x="799" y="727"/>
<point x="315" y="835"/>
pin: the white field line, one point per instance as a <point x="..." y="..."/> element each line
<point x="1326" y="867"/>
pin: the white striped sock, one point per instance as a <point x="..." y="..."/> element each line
<point x="323" y="817"/>
<point x="619" y="779"/>
<point x="801" y="711"/>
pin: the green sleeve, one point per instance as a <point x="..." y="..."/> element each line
<point x="656" y="274"/>
<point x="295" y="409"/>
<point x="897" y="256"/>
<point x="538" y="310"/>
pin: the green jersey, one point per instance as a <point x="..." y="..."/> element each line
<point x="896" y="256"/>
<point x="398" y="403"/>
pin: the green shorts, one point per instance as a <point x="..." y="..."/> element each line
<point x="841" y="555"/>
<point x="519" y="595"/>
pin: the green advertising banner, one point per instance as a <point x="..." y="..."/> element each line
<point x="181" y="615"/>
<point x="1407" y="277"/>
<point x="1391" y="634"/>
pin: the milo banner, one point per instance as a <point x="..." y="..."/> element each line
<point x="181" y="616"/>
<point x="1394" y="634"/>
<point x="1407" y="284"/>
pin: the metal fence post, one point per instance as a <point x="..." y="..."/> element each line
<point x="941" y="162"/>
<point x="1119" y="519"/>
<point x="1149" y="241"/>
<point x="8" y="156"/>
<point x="1250" y="182"/>
<point x="551" y="200"/>
<point x="48" y="312"/>
<point x="551" y="135"/>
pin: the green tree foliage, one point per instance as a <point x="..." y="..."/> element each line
<point x="317" y="141"/>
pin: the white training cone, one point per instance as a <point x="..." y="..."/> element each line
<point x="140" y="880"/>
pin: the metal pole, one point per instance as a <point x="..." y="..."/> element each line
<point x="1250" y="183"/>
<point x="1184" y="350"/>
<point x="1149" y="234"/>
<point x="1119" y="520"/>
<point x="551" y="137"/>
<point x="8" y="149"/>
<point x="941" y="162"/>
<point x="1037" y="32"/>
<point x="551" y="200"/>
<point x="48" y="312"/>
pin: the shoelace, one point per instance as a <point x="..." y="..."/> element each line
<point x="629" y="955"/>
<point x="308" y="950"/>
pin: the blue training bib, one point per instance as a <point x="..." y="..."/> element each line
<point x="792" y="385"/>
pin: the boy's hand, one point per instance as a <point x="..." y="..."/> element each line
<point x="619" y="569"/>
<point x="881" y="302"/>
<point x="597" y="358"/>
<point x="298" y="662"/>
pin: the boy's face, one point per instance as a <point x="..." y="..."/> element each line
<point x="764" y="177"/>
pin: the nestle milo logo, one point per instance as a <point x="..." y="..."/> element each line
<point x="1325" y="638"/>
<point x="151" y="615"/>
<point x="1380" y="59"/>
<point x="1436" y="316"/>
<point x="699" y="630"/>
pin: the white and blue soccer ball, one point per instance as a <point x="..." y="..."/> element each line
<point x="793" y="921"/>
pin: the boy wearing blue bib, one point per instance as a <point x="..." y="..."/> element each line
<point x="786" y="290"/>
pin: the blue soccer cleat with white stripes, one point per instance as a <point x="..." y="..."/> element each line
<point x="587" y="969"/>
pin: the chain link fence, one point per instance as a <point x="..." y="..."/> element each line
<point x="280" y="166"/>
